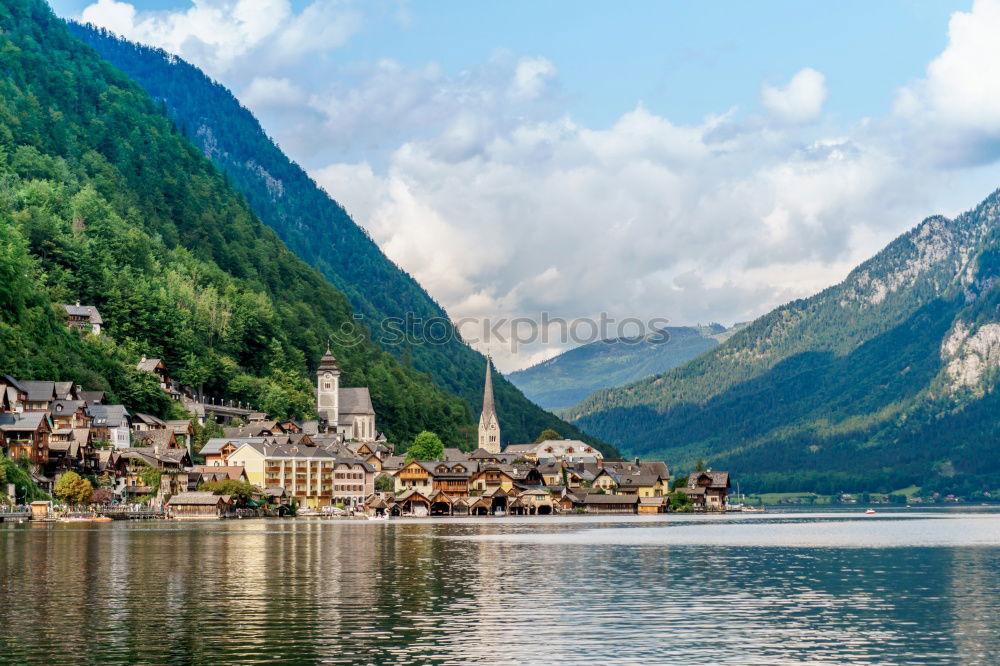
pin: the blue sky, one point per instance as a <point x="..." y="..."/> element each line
<point x="693" y="161"/>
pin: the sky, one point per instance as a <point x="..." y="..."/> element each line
<point x="687" y="162"/>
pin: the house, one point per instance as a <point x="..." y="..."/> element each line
<point x="596" y="503"/>
<point x="606" y="481"/>
<point x="415" y="475"/>
<point x="141" y="422"/>
<point x="183" y="432"/>
<point x="216" y="451"/>
<point x="159" y="368"/>
<point x="163" y="439"/>
<point x="211" y="473"/>
<point x="569" y="450"/>
<point x="37" y="396"/>
<point x="452" y="476"/>
<point x="353" y="481"/>
<point x="413" y="502"/>
<point x="652" y="505"/>
<point x="307" y="473"/>
<point x="172" y="463"/>
<point x="199" y="506"/>
<point x="26" y="435"/>
<point x="111" y="424"/>
<point x="84" y="318"/>
<point x="488" y="478"/>
<point x="709" y="490"/>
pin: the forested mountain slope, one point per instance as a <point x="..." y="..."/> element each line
<point x="318" y="229"/>
<point x="565" y="380"/>
<point x="885" y="380"/>
<point x="103" y="201"/>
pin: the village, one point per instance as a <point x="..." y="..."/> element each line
<point x="135" y="464"/>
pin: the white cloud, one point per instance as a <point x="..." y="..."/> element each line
<point x="216" y="34"/>
<point x="953" y="113"/>
<point x="481" y="184"/>
<point x="270" y="92"/>
<point x="800" y="101"/>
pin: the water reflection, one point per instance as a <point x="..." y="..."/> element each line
<point x="806" y="588"/>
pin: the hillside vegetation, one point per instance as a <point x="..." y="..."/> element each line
<point x="102" y="200"/>
<point x="885" y="380"/>
<point x="320" y="231"/>
<point x="568" y="378"/>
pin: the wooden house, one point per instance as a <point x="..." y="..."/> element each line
<point x="199" y="506"/>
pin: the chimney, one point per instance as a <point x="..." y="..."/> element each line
<point x="78" y="304"/>
<point x="637" y="461"/>
<point x="143" y="360"/>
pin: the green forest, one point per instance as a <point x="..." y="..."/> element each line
<point x="844" y="391"/>
<point x="102" y="200"/>
<point x="320" y="231"/>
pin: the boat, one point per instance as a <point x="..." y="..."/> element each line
<point x="870" y="512"/>
<point x="382" y="517"/>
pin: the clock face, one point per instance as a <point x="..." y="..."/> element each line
<point x="327" y="376"/>
<point x="493" y="426"/>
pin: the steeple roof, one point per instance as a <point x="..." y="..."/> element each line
<point x="489" y="409"/>
<point x="328" y="362"/>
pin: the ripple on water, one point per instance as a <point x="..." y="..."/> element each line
<point x="822" y="589"/>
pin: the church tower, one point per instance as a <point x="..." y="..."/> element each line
<point x="489" y="425"/>
<point x="328" y="390"/>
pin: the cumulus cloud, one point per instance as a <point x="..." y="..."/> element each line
<point x="483" y="185"/>
<point x="216" y="34"/>
<point x="800" y="101"/>
<point x="954" y="110"/>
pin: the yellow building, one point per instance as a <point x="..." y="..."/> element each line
<point x="311" y="475"/>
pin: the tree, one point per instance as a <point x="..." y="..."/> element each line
<point x="699" y="466"/>
<point x="681" y="482"/>
<point x="103" y="496"/>
<point x="547" y="434"/>
<point x="426" y="446"/>
<point x="384" y="483"/>
<point x="74" y="489"/>
<point x="680" y="502"/>
<point x="241" y="491"/>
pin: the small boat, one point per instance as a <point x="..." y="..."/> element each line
<point x="382" y="517"/>
<point x="870" y="512"/>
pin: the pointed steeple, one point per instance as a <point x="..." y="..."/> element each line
<point x="489" y="424"/>
<point x="488" y="406"/>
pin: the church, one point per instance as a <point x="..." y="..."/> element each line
<point x="346" y="411"/>
<point x="489" y="424"/>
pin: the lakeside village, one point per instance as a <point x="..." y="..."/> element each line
<point x="103" y="462"/>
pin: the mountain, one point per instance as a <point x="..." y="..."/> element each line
<point x="566" y="379"/>
<point x="885" y="380"/>
<point x="319" y="230"/>
<point x="104" y="201"/>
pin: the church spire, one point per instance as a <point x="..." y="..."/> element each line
<point x="489" y="424"/>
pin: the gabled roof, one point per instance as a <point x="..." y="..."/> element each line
<point x="23" y="422"/>
<point x="232" y="472"/>
<point x="198" y="499"/>
<point x="162" y="438"/>
<point x="149" y="419"/>
<point x="716" y="479"/>
<point x="39" y="391"/>
<point x="355" y="401"/>
<point x="88" y="311"/>
<point x="92" y="397"/>
<point x="107" y="415"/>
<point x="64" y="407"/>
<point x="215" y="444"/>
<point x="610" y="499"/>
<point x="148" y="364"/>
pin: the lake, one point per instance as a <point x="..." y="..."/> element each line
<point x="836" y="587"/>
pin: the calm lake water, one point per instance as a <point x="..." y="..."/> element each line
<point x="905" y="587"/>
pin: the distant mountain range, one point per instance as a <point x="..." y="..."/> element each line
<point x="886" y="380"/>
<point x="317" y="228"/>
<point x="566" y="379"/>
